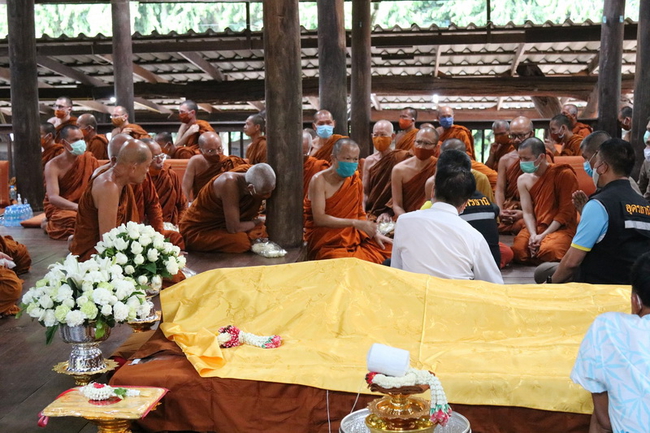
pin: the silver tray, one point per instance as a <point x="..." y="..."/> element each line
<point x="356" y="423"/>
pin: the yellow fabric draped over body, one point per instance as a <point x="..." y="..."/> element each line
<point x="505" y="345"/>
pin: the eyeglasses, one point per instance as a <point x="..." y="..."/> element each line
<point x="520" y="136"/>
<point x="160" y="157"/>
<point x="424" y="143"/>
<point x="209" y="151"/>
<point x="115" y="116"/>
<point x="60" y="107"/>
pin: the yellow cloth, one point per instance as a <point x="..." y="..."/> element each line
<point x="508" y="345"/>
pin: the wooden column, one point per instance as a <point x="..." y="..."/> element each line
<point x="283" y="83"/>
<point x="24" y="101"/>
<point x="641" y="88"/>
<point x="609" y="69"/>
<point x="123" y="55"/>
<point x="361" y="76"/>
<point x="332" y="83"/>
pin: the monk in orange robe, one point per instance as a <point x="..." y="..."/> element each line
<point x="120" y="121"/>
<point x="502" y="143"/>
<point x="48" y="145"/>
<point x="187" y="139"/>
<point x="254" y="128"/>
<point x="62" y="116"/>
<point x="166" y="143"/>
<point x="224" y="217"/>
<point x="410" y="176"/>
<point x="549" y="214"/>
<point x="406" y="138"/>
<point x="66" y="178"/>
<point x="108" y="201"/>
<point x="335" y="222"/>
<point x="311" y="165"/>
<point x="563" y="137"/>
<point x="97" y="144"/>
<point x="168" y="185"/>
<point x="449" y="130"/>
<point x="10" y="285"/>
<point x="324" y="125"/>
<point x="578" y="128"/>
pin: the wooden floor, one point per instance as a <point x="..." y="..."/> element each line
<point x="27" y="382"/>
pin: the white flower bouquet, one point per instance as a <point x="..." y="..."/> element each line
<point x="76" y="293"/>
<point x="142" y="252"/>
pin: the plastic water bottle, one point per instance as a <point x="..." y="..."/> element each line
<point x="30" y="211"/>
<point x="12" y="192"/>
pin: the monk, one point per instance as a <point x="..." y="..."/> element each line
<point x="166" y="143"/>
<point x="409" y="176"/>
<point x="335" y="223"/>
<point x="120" y="121"/>
<point x="50" y="147"/>
<point x="625" y="121"/>
<point x="62" y="116"/>
<point x="377" y="172"/>
<point x="448" y="130"/>
<point x="483" y="183"/>
<point x="254" y="128"/>
<point x="66" y="178"/>
<point x="168" y="185"/>
<point x="97" y="144"/>
<point x="311" y="165"/>
<point x="10" y="285"/>
<point x="187" y="139"/>
<point x="207" y="164"/>
<point x="324" y="126"/>
<point x="562" y="139"/>
<point x="225" y="216"/>
<point x="578" y="128"/>
<point x="406" y="137"/>
<point x="550" y="217"/>
<point x="502" y="143"/>
<point x="108" y="202"/>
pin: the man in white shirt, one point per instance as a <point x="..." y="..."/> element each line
<point x="437" y="241"/>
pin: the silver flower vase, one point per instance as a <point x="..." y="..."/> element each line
<point x="86" y="356"/>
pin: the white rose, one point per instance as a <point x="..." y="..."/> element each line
<point x="136" y="247"/>
<point x="107" y="310"/>
<point x="102" y="296"/>
<point x="176" y="249"/>
<point x="28" y="297"/>
<point x="152" y="255"/>
<point x="142" y="280"/>
<point x="159" y="241"/>
<point x="172" y="266"/>
<point x="167" y="249"/>
<point x="120" y="311"/>
<point x="145" y="240"/>
<point x="128" y="270"/>
<point x="45" y="301"/>
<point x="82" y="300"/>
<point x="35" y="312"/>
<point x="121" y="259"/>
<point x="116" y="271"/>
<point x="181" y="261"/>
<point x="149" y="231"/>
<point x="69" y="303"/>
<point x="64" y="292"/>
<point x="133" y="302"/>
<point x="74" y="318"/>
<point x="144" y="310"/>
<point x="121" y="244"/>
<point x="133" y="232"/>
<point x="156" y="282"/>
<point x="99" y="249"/>
<point x="138" y="260"/>
<point x="123" y="289"/>
<point x="86" y="285"/>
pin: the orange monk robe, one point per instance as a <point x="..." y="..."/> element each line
<point x="51" y="152"/>
<point x="98" y="146"/>
<point x="86" y="233"/>
<point x="57" y="135"/>
<point x="225" y="163"/>
<point x="256" y="151"/>
<point x="582" y="129"/>
<point x="551" y="196"/>
<point x="18" y="253"/>
<point x="11" y="288"/>
<point x="572" y="147"/>
<point x="170" y="193"/>
<point x="502" y="150"/>
<point x="405" y="140"/>
<point x="413" y="194"/>
<point x="310" y="168"/>
<point x="137" y="131"/>
<point x="332" y="243"/>
<point x="325" y="152"/>
<point x="491" y="174"/>
<point x="204" y="224"/>
<point x="461" y="133"/>
<point x="191" y="146"/>
<point x="61" y="222"/>
<point x="379" y="177"/>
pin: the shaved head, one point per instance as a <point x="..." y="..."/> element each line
<point x="445" y="111"/>
<point x="427" y="125"/>
<point x="410" y="111"/>
<point x="570" y="109"/>
<point x="118" y="110"/>
<point x="560" y="120"/>
<point x="87" y="119"/>
<point x="501" y="124"/>
<point x="262" y="177"/>
<point x="591" y="143"/>
<point x="452" y="144"/>
<point x="522" y="123"/>
<point x="133" y="152"/>
<point x="153" y="146"/>
<point x="306" y="142"/>
<point x="115" y="145"/>
<point x="343" y="142"/>
<point x="209" y="140"/>
<point x="383" y="125"/>
<point x="322" y="114"/>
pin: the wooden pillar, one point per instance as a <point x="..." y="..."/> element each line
<point x="609" y="75"/>
<point x="283" y="83"/>
<point x="332" y="70"/>
<point x="24" y="101"/>
<point x="123" y="55"/>
<point x="641" y="88"/>
<point x="361" y="76"/>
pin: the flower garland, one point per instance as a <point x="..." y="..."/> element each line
<point x="231" y="336"/>
<point x="99" y="391"/>
<point x="440" y="409"/>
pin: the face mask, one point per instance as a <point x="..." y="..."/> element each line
<point x="185" y="117"/>
<point x="528" y="166"/>
<point x="646" y="137"/>
<point x="502" y="139"/>
<point x="117" y="121"/>
<point x="212" y="159"/>
<point x="324" y="131"/>
<point x="405" y="123"/>
<point x="422" y="153"/>
<point x="646" y="154"/>
<point x="588" y="169"/>
<point x="446" y="122"/>
<point x="78" y="147"/>
<point x="557" y="137"/>
<point x="381" y="143"/>
<point x="60" y="114"/>
<point x="346" y="169"/>
<point x="595" y="176"/>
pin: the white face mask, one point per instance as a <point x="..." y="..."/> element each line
<point x="595" y="176"/>
<point x="646" y="153"/>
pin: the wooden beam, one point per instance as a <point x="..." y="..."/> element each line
<point x="69" y="72"/>
<point x="138" y="70"/>
<point x="521" y="49"/>
<point x="593" y="64"/>
<point x="436" y="67"/>
<point x="45" y="109"/>
<point x="375" y="101"/>
<point x="499" y="103"/>
<point x="641" y="89"/>
<point x="360" y="78"/>
<point x="609" y="69"/>
<point x="152" y="106"/>
<point x="123" y="56"/>
<point x="94" y="105"/>
<point x="206" y="107"/>
<point x="591" y="109"/>
<point x="208" y="68"/>
<point x="259" y="105"/>
<point x="314" y="102"/>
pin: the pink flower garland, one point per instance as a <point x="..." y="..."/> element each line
<point x="231" y="336"/>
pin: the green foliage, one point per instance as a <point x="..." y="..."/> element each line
<point x="49" y="333"/>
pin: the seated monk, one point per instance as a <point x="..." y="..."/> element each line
<point x="562" y="137"/>
<point x="311" y="165"/>
<point x="335" y="223"/>
<point x="406" y="137"/>
<point x="378" y="169"/>
<point x="256" y="150"/>
<point x="108" y="201"/>
<point x="97" y="144"/>
<point x="571" y="111"/>
<point x="120" y="120"/>
<point x="224" y="217"/>
<point x="448" y="130"/>
<point x="62" y="116"/>
<point x="164" y="140"/>
<point x="550" y="217"/>
<point x="482" y="186"/>
<point x="454" y="143"/>
<point x="502" y="143"/>
<point x="49" y="147"/>
<point x="211" y="161"/>
<point x="10" y="285"/>
<point x="409" y="176"/>
<point x="324" y="126"/>
<point x="168" y="185"/>
<point x="66" y="178"/>
<point x="187" y="139"/>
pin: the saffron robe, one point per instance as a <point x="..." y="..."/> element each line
<point x="406" y="140"/>
<point x="332" y="243"/>
<point x="51" y="152"/>
<point x="137" y="131"/>
<point x="572" y="147"/>
<point x="256" y="151"/>
<point x="98" y="146"/>
<point x="582" y="129"/>
<point x="170" y="194"/>
<point x="191" y="147"/>
<point x="379" y="178"/>
<point x="325" y="152"/>
<point x="502" y="150"/>
<point x="413" y="194"/>
<point x="226" y="163"/>
<point x="551" y="196"/>
<point x="491" y="174"/>
<point x="11" y="288"/>
<point x="57" y="134"/>
<point x="61" y="222"/>
<point x="461" y="133"/>
<point x="310" y="168"/>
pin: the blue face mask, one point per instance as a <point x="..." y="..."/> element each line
<point x="346" y="169"/>
<point x="446" y="122"/>
<point x="646" y="137"/>
<point x="324" y="131"/>
<point x="78" y="147"/>
<point x="528" y="166"/>
<point x="588" y="169"/>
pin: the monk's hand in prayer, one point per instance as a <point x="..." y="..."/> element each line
<point x="368" y="227"/>
<point x="384" y="218"/>
<point x="579" y="199"/>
